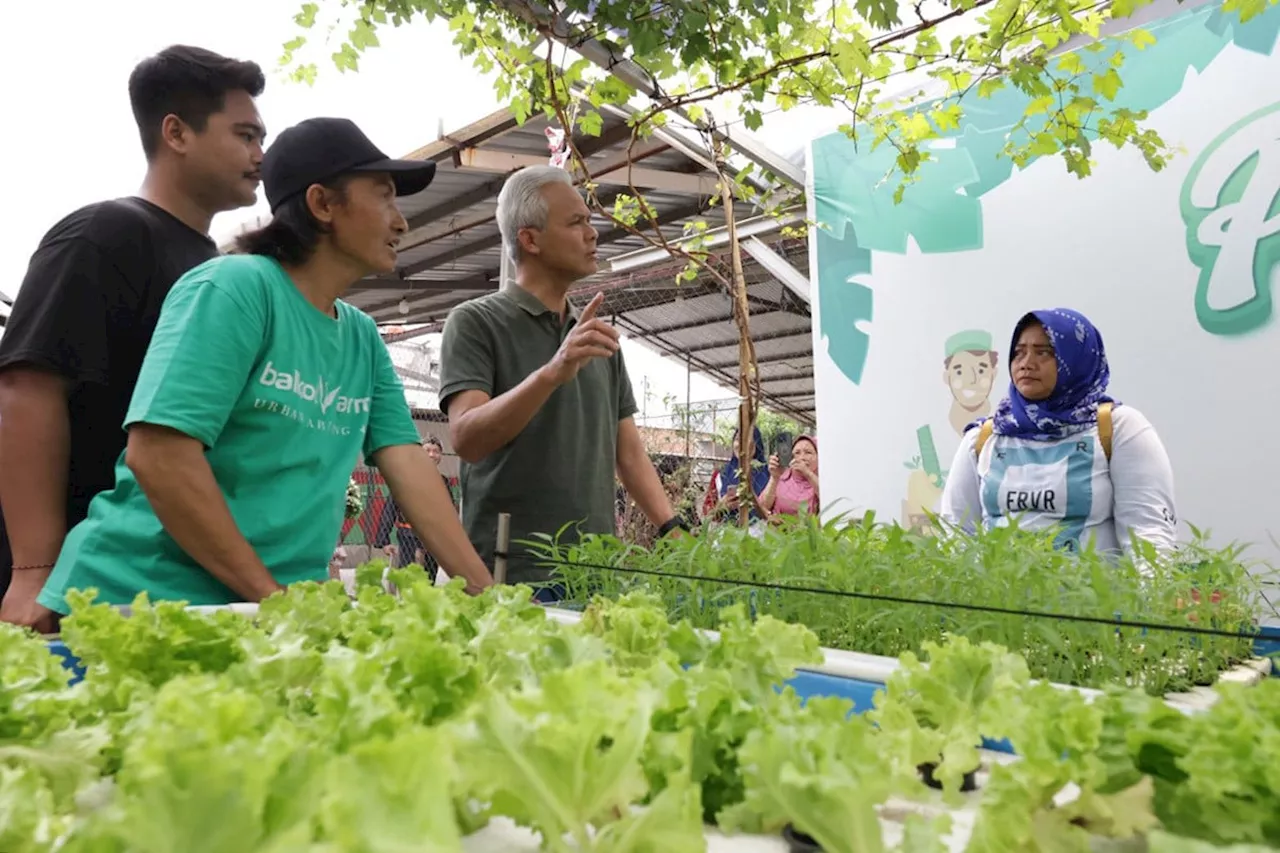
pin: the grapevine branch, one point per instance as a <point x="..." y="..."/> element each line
<point x="665" y="103"/>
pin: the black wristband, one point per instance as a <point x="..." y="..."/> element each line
<point x="671" y="524"/>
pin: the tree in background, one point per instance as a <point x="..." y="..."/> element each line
<point x="708" y="64"/>
<point x="749" y="57"/>
<point x="774" y="427"/>
<point x="706" y="419"/>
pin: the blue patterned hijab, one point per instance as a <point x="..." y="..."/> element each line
<point x="730" y="473"/>
<point x="1083" y="376"/>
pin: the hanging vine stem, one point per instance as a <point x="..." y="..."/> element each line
<point x="748" y="369"/>
<point x="735" y="284"/>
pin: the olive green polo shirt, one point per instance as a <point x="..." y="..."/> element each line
<point x="559" y="471"/>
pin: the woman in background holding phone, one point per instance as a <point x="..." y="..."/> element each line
<point x="721" y="500"/>
<point x="793" y="488"/>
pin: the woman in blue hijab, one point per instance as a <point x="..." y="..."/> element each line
<point x="728" y="477"/>
<point x="1060" y="452"/>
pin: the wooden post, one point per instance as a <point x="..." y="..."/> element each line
<point x="501" y="548"/>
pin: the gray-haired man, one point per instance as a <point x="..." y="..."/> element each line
<point x="539" y="402"/>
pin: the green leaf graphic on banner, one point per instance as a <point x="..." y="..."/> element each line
<point x="1259" y="35"/>
<point x="934" y="212"/>
<point x="844" y="302"/>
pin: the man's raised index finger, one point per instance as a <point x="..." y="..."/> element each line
<point x="593" y="306"/>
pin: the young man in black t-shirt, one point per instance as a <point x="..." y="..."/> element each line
<point x="81" y="323"/>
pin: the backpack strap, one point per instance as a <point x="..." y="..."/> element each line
<point x="984" y="433"/>
<point x="1104" y="431"/>
<point x="1104" y="428"/>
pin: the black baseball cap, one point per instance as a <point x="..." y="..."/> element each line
<point x="319" y="149"/>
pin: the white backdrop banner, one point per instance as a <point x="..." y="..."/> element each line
<point x="916" y="302"/>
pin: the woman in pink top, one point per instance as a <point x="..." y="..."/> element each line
<point x="797" y="487"/>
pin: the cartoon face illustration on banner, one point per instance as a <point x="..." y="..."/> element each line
<point x="1231" y="206"/>
<point x="969" y="369"/>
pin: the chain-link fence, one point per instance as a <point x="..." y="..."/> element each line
<point x="417" y="363"/>
<point x="379" y="524"/>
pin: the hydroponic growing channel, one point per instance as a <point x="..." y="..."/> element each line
<point x="437" y="721"/>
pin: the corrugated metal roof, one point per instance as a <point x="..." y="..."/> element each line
<point x="454" y="236"/>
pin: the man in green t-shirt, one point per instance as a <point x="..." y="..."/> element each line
<point x="539" y="403"/>
<point x="258" y="391"/>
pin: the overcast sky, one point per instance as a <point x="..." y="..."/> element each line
<point x="72" y="141"/>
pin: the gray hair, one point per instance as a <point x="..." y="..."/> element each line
<point x="521" y="204"/>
